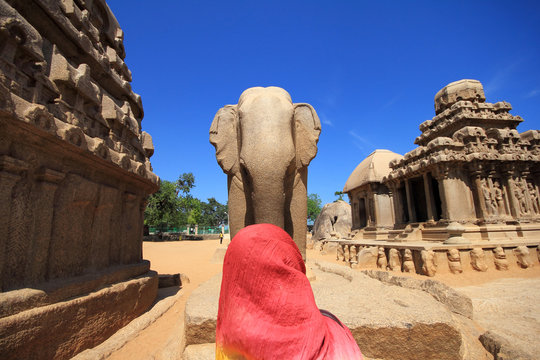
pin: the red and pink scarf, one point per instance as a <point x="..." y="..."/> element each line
<point x="266" y="305"/>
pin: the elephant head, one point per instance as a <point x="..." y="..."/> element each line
<point x="264" y="144"/>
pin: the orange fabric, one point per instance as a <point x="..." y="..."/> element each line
<point x="266" y="305"/>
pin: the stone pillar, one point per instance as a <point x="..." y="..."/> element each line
<point x="196" y="229"/>
<point x="398" y="203"/>
<point x="10" y="170"/>
<point x="458" y="204"/>
<point x="410" y="204"/>
<point x="392" y="194"/>
<point x="376" y="205"/>
<point x="524" y="175"/>
<point x="101" y="234"/>
<point x="430" y="201"/>
<point x="47" y="184"/>
<point x="477" y="174"/>
<point x="367" y="204"/>
<point x="511" y="187"/>
<point x="131" y="234"/>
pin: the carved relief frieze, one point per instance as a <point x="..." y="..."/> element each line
<point x="70" y="113"/>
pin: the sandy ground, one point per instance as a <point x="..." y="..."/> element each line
<point x="193" y="258"/>
<point x="510" y="307"/>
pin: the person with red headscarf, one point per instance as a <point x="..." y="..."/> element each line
<point x="266" y="306"/>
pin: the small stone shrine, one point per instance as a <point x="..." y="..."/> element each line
<point x="74" y="178"/>
<point x="471" y="185"/>
<point x="371" y="200"/>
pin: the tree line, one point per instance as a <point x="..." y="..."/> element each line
<point x="173" y="205"/>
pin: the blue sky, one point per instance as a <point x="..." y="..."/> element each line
<point x="369" y="68"/>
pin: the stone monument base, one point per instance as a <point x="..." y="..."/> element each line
<point x="431" y="258"/>
<point x="59" y="319"/>
<point x="428" y="319"/>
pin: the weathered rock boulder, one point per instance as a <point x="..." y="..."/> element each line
<point x="200" y="352"/>
<point x="508" y="309"/>
<point x="201" y="312"/>
<point x="334" y="217"/>
<point x="401" y="321"/>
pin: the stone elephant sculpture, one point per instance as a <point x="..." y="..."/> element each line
<point x="264" y="144"/>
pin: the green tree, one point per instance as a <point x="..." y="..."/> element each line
<point x="162" y="207"/>
<point x="185" y="183"/>
<point x="194" y="211"/>
<point x="213" y="213"/>
<point x="340" y="194"/>
<point x="189" y="207"/>
<point x="173" y="204"/>
<point x="313" y="207"/>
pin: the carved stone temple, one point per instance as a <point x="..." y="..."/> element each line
<point x="74" y="178"/>
<point x="472" y="183"/>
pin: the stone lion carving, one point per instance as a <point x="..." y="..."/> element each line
<point x="394" y="260"/>
<point x="522" y="255"/>
<point x="478" y="259"/>
<point x="381" y="259"/>
<point x="408" y="264"/>
<point x="429" y="263"/>
<point x="501" y="262"/>
<point x="454" y="261"/>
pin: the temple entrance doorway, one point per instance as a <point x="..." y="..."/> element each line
<point x="419" y="199"/>
<point x="362" y="216"/>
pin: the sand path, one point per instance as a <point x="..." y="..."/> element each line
<point x="191" y="258"/>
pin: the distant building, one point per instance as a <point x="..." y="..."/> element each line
<point x="371" y="201"/>
<point x="471" y="167"/>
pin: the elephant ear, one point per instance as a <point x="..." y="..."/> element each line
<point x="223" y="135"/>
<point x="308" y="128"/>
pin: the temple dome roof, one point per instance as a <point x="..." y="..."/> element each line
<point x="466" y="89"/>
<point x="371" y="169"/>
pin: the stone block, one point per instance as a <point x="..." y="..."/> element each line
<point x="200" y="352"/>
<point x="387" y="321"/>
<point x="63" y="329"/>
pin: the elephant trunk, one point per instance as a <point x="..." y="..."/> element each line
<point x="268" y="181"/>
<point x="269" y="205"/>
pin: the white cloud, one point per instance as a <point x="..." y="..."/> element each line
<point x="362" y="143"/>
<point x="532" y="93"/>
<point x="324" y="119"/>
<point x="391" y="102"/>
<point x="500" y="78"/>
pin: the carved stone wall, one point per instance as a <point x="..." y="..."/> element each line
<point x="439" y="259"/>
<point x="74" y="166"/>
<point x="475" y="167"/>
